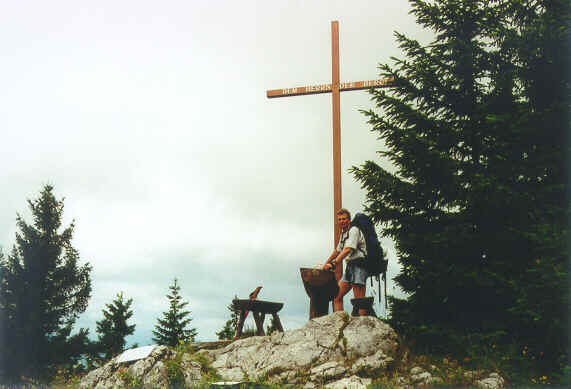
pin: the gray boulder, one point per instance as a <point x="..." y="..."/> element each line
<point x="324" y="351"/>
<point x="420" y="377"/>
<point x="150" y="372"/>
<point x="352" y="382"/>
<point x="493" y="381"/>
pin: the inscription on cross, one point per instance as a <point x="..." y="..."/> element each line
<point x="334" y="88"/>
<point x="326" y="88"/>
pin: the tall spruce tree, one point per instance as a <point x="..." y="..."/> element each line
<point x="477" y="130"/>
<point x="171" y="329"/>
<point x="43" y="289"/>
<point x="231" y="324"/>
<point x="113" y="328"/>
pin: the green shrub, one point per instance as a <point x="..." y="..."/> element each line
<point x="130" y="381"/>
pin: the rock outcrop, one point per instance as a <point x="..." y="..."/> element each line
<point x="419" y="377"/>
<point x="327" y="349"/>
<point x="151" y="372"/>
<point x="335" y="351"/>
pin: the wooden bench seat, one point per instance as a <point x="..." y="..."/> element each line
<point x="259" y="310"/>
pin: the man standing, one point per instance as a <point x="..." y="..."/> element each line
<point x="353" y="249"/>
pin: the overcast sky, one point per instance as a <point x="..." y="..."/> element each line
<point x="151" y="119"/>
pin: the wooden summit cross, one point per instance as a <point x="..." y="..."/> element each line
<point x="334" y="88"/>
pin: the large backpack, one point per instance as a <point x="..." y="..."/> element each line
<point x="375" y="261"/>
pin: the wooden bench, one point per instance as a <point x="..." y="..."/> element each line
<point x="259" y="309"/>
<point x="365" y="303"/>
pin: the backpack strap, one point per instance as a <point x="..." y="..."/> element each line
<point x="341" y="240"/>
<point x="360" y="235"/>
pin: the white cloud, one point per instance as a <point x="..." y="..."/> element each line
<point x="152" y="121"/>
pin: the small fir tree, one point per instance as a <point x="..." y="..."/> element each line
<point x="229" y="329"/>
<point x="171" y="329"/>
<point x="113" y="328"/>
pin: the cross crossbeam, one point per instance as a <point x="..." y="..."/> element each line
<point x="326" y="88"/>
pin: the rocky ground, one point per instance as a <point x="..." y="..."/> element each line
<point x="334" y="351"/>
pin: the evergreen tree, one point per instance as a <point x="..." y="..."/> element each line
<point x="171" y="329"/>
<point x="43" y="289"/>
<point x="113" y="328"/>
<point x="229" y="329"/>
<point x="476" y="127"/>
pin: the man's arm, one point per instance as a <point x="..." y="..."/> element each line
<point x="332" y="256"/>
<point x="338" y="257"/>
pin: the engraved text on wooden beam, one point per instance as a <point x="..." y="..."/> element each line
<point x="326" y="88"/>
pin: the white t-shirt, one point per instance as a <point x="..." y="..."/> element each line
<point x="353" y="238"/>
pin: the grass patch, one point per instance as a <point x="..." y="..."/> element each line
<point x="129" y="381"/>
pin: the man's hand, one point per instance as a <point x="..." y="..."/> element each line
<point x="327" y="266"/>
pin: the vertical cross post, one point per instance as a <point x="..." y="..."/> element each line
<point x="334" y="88"/>
<point x="336" y="106"/>
<point x="336" y="127"/>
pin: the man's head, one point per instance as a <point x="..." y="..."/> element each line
<point x="343" y="219"/>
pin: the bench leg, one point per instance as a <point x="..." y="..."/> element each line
<point x="277" y="322"/>
<point x="240" y="325"/>
<point x="259" y="319"/>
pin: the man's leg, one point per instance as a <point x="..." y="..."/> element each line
<point x="359" y="292"/>
<point x="338" y="300"/>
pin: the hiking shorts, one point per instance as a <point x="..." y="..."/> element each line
<point x="354" y="274"/>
